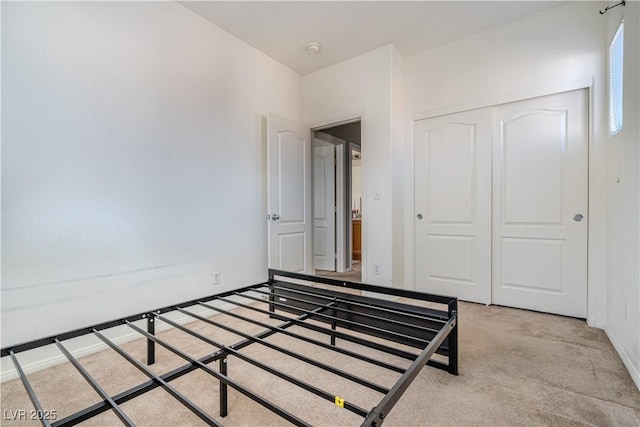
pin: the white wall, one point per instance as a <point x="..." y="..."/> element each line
<point x="361" y="87"/>
<point x="132" y="160"/>
<point x="398" y="170"/>
<point x="623" y="213"/>
<point x="556" y="50"/>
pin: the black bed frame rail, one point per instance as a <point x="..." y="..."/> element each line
<point x="413" y="326"/>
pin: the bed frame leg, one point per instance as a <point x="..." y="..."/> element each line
<point x="151" y="345"/>
<point x="453" y="340"/>
<point x="223" y="387"/>
<point x="333" y="326"/>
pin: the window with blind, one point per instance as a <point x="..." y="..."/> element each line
<point x="616" y="60"/>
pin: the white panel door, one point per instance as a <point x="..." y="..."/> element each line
<point x="453" y="205"/>
<point x="540" y="160"/>
<point x="324" y="206"/>
<point x="289" y="195"/>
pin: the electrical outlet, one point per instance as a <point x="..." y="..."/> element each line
<point x="376" y="268"/>
<point x="216" y="277"/>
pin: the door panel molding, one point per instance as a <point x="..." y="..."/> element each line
<point x="288" y="195"/>
<point x="539" y="250"/>
<point x="538" y="176"/>
<point x="452" y="217"/>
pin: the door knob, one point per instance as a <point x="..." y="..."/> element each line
<point x="578" y="217"/>
<point x="419" y="216"/>
<point x="275" y="217"/>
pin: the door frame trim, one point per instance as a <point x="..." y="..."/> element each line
<point x="347" y="119"/>
<point x="351" y="147"/>
<point x="499" y="100"/>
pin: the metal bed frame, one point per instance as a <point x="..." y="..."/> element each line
<point x="426" y="329"/>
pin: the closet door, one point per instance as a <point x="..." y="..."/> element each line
<point x="540" y="161"/>
<point x="453" y="205"/>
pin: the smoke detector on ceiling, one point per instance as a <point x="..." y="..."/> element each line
<point x="313" y="47"/>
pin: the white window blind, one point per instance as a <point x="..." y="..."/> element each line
<point x="616" y="60"/>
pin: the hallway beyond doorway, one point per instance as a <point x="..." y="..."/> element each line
<point x="355" y="275"/>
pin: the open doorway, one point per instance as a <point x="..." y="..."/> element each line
<point x="337" y="201"/>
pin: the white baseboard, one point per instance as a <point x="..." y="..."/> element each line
<point x="48" y="362"/>
<point x="626" y="360"/>
<point x="596" y="324"/>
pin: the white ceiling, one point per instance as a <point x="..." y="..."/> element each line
<point x="282" y="29"/>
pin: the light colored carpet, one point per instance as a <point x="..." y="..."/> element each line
<point x="517" y="368"/>
<point x="355" y="275"/>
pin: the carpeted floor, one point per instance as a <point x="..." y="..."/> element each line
<point x="517" y="368"/>
<point x="355" y="275"/>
